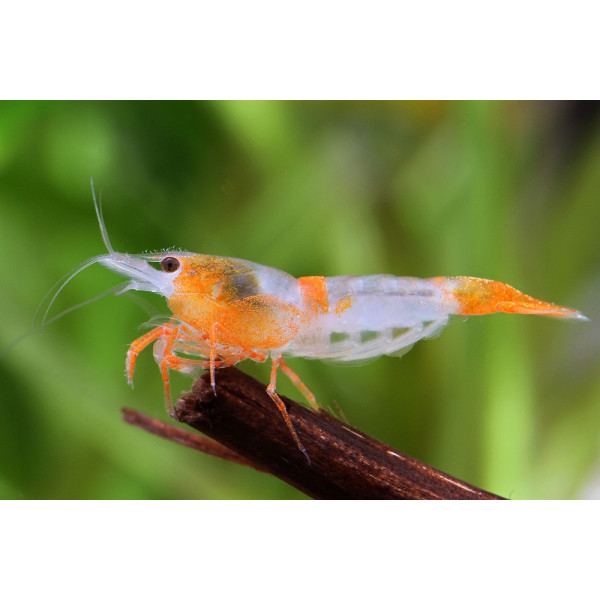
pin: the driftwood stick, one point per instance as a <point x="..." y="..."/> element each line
<point x="183" y="437"/>
<point x="345" y="463"/>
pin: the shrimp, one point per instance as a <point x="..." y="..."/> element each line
<point x="226" y="310"/>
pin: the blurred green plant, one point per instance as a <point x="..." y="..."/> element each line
<point x="507" y="191"/>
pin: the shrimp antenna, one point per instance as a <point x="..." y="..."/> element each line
<point x="60" y="285"/>
<point x="117" y="290"/>
<point x="98" y="207"/>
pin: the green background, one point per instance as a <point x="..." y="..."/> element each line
<point x="502" y="190"/>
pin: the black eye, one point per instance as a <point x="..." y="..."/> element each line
<point x="169" y="264"/>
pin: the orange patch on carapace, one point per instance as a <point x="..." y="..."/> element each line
<point x="314" y="293"/>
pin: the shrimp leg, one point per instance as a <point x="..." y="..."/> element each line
<point x="138" y="345"/>
<point x="163" y="349"/>
<point x="213" y="356"/>
<point x="165" y="337"/>
<point x="293" y="377"/>
<point x="228" y="360"/>
<point x="164" y="355"/>
<point x="281" y="406"/>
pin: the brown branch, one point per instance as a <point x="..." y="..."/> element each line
<point x="183" y="437"/>
<point x="345" y="463"/>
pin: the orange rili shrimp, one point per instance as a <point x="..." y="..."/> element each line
<point x="226" y="310"/>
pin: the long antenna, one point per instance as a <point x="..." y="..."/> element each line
<point x="118" y="289"/>
<point x="98" y="207"/>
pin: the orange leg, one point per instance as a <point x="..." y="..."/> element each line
<point x="166" y="352"/>
<point x="221" y="363"/>
<point x="167" y="336"/>
<point x="299" y="384"/>
<point x="213" y="356"/>
<point x="180" y="363"/>
<point x="227" y="361"/>
<point x="168" y="360"/>
<point x="281" y="406"/>
<point x="172" y="361"/>
<point x="138" y="345"/>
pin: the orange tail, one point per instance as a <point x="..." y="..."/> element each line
<point x="483" y="296"/>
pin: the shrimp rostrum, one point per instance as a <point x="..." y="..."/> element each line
<point x="226" y="310"/>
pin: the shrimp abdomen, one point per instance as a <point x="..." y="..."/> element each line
<point x="382" y="314"/>
<point x="373" y="315"/>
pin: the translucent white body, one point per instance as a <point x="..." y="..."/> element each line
<point x="380" y="314"/>
<point x="386" y="315"/>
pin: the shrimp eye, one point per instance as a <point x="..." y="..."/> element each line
<point x="169" y="264"/>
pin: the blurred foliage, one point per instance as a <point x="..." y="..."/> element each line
<point x="508" y="191"/>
